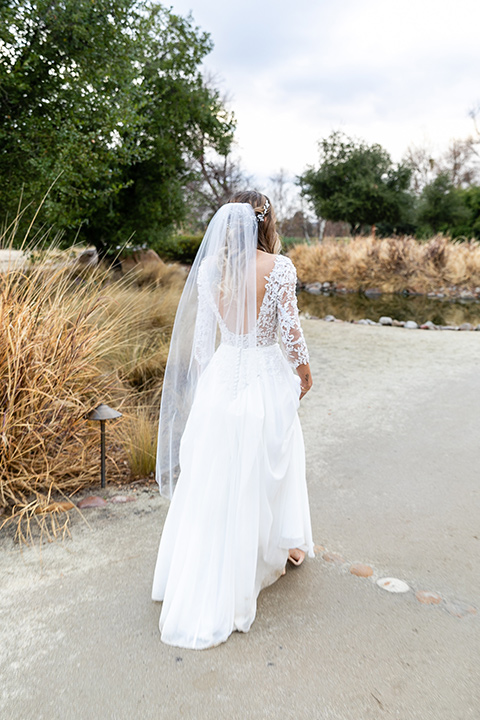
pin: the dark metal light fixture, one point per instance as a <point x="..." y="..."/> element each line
<point x="103" y="413"/>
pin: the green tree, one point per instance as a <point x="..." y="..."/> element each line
<point x="106" y="100"/>
<point x="358" y="183"/>
<point x="441" y="207"/>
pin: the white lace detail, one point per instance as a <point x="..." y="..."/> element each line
<point x="278" y="312"/>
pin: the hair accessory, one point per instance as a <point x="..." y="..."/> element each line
<point x="261" y="216"/>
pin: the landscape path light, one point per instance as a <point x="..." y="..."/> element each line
<point x="103" y="413"/>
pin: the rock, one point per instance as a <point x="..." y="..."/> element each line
<point x="366" y="321"/>
<point x="140" y="257"/>
<point x="326" y="285"/>
<point x="385" y="320"/>
<point x="478" y="327"/>
<point x="62" y="506"/>
<point x="448" y="327"/>
<point x="88" y="258"/>
<point x="398" y="323"/>
<point x="122" y="499"/>
<point x="467" y="295"/>
<point x="333" y="557"/>
<point x="314" y="288"/>
<point x="393" y="585"/>
<point x="428" y="326"/>
<point x="91" y="501"/>
<point x="477" y="291"/>
<point x="329" y="318"/>
<point x="460" y="609"/>
<point x="361" y="570"/>
<point x="373" y="292"/>
<point x="411" y="325"/>
<point x="465" y="326"/>
<point x="427" y="597"/>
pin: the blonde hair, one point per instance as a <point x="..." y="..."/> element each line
<point x="268" y="238"/>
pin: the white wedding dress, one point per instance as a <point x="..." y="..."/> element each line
<point x="241" y="499"/>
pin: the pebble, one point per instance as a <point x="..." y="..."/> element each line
<point x="393" y="584"/>
<point x="92" y="501"/>
<point x="314" y="288"/>
<point x="62" y="506"/>
<point x="122" y="499"/>
<point x="361" y="570"/>
<point x="333" y="558"/>
<point x="460" y="609"/>
<point x="385" y="320"/>
<point x="398" y="323"/>
<point x="411" y="325"/>
<point x="366" y="321"/>
<point x="465" y="326"/>
<point x="429" y="325"/>
<point x="329" y="318"/>
<point x="427" y="597"/>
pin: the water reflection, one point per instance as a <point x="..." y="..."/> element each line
<point x="355" y="306"/>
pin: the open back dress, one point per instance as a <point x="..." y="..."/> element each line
<point x="241" y="498"/>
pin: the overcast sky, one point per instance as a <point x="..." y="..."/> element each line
<point x="396" y="73"/>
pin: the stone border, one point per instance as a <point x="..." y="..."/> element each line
<point x="386" y="321"/>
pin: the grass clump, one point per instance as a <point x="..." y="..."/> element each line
<point x="390" y="264"/>
<point x="70" y="340"/>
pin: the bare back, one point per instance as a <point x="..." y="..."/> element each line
<point x="265" y="263"/>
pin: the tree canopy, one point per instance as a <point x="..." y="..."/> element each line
<point x="106" y="100"/>
<point x="358" y="183"/>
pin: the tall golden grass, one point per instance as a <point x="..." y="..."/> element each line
<point x="390" y="264"/>
<point x="69" y="340"/>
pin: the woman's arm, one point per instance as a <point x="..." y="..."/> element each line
<point x="290" y="328"/>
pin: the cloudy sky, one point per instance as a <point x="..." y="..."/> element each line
<point x="396" y="73"/>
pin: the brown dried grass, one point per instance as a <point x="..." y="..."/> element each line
<point x="390" y="264"/>
<point x="69" y="341"/>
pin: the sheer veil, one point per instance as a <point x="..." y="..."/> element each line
<point x="219" y="295"/>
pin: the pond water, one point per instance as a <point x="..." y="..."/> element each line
<point x="355" y="306"/>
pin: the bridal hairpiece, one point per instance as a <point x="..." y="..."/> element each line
<point x="261" y="216"/>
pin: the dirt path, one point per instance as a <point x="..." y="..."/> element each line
<point x="392" y="430"/>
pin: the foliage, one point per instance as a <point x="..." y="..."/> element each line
<point x="358" y="183"/>
<point x="469" y="227"/>
<point x="181" y="248"/>
<point x="390" y="264"/>
<point x="106" y="100"/>
<point x="441" y="207"/>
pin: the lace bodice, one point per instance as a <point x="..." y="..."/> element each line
<point x="278" y="315"/>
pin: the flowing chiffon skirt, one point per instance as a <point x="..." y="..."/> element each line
<point x="241" y="498"/>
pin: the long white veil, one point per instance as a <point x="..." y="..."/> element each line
<point x="220" y="294"/>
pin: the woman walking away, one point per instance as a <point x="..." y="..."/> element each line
<point x="230" y="445"/>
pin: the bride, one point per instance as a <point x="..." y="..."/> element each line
<point x="230" y="445"/>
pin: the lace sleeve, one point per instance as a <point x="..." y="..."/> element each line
<point x="289" y="321"/>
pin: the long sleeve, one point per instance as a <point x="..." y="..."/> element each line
<point x="289" y="321"/>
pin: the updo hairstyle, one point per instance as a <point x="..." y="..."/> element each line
<point x="268" y="239"/>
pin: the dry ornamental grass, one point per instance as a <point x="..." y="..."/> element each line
<point x="68" y="341"/>
<point x="390" y="264"/>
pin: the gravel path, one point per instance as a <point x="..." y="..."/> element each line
<point x="392" y="430"/>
